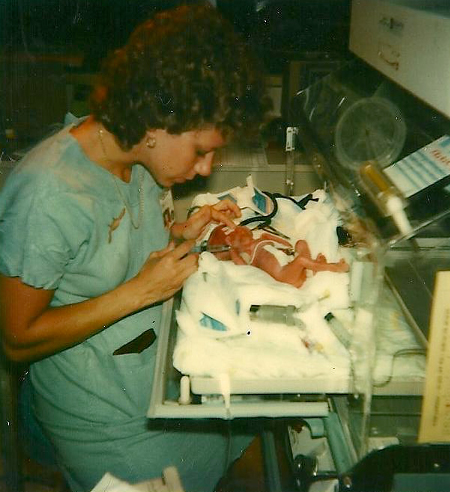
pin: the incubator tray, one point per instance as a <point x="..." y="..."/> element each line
<point x="251" y="398"/>
<point x="256" y="398"/>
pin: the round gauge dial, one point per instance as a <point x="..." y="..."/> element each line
<point x="372" y="129"/>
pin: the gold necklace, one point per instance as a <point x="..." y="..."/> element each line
<point x="137" y="224"/>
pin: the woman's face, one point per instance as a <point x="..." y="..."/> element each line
<point x="178" y="158"/>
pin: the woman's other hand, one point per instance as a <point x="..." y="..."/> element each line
<point x="222" y="213"/>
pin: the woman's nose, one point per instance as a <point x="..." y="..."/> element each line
<point x="204" y="165"/>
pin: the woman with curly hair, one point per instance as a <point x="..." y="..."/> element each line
<point x="87" y="255"/>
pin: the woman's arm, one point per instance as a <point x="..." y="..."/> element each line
<point x="32" y="329"/>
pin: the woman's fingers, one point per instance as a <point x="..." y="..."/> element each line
<point x="228" y="206"/>
<point x="217" y="216"/>
<point x="183" y="249"/>
<point x="162" y="252"/>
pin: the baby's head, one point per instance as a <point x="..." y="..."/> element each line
<point x="240" y="238"/>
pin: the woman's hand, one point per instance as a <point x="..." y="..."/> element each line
<point x="164" y="273"/>
<point x="222" y="213"/>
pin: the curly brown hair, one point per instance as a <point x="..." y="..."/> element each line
<point x="184" y="69"/>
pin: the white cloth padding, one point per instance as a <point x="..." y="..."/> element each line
<point x="331" y="288"/>
<point x="224" y="292"/>
<point x="317" y="226"/>
<point x="265" y="351"/>
<point x="250" y="349"/>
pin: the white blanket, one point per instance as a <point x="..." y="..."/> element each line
<point x="216" y="335"/>
<point x="217" y="338"/>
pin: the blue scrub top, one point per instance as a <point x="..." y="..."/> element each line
<point x="57" y="209"/>
<point x="63" y="227"/>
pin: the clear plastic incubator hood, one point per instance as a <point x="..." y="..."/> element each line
<point x="343" y="350"/>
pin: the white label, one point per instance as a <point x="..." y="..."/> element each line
<point x="435" y="419"/>
<point x="422" y="168"/>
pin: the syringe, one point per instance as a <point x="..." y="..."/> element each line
<point x="272" y="313"/>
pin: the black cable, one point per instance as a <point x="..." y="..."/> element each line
<point x="300" y="203"/>
<point x="266" y="219"/>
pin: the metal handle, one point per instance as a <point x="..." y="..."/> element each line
<point x="391" y="23"/>
<point x="289" y="182"/>
<point x="394" y="64"/>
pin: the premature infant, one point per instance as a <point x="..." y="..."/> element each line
<point x="246" y="250"/>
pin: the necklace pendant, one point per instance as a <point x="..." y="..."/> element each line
<point x="135" y="224"/>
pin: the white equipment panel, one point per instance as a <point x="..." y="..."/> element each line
<point x="408" y="42"/>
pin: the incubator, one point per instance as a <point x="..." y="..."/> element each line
<point x="373" y="406"/>
<point x="365" y="411"/>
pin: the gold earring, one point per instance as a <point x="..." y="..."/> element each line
<point x="150" y="142"/>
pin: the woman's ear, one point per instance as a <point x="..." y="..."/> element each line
<point x="150" y="139"/>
